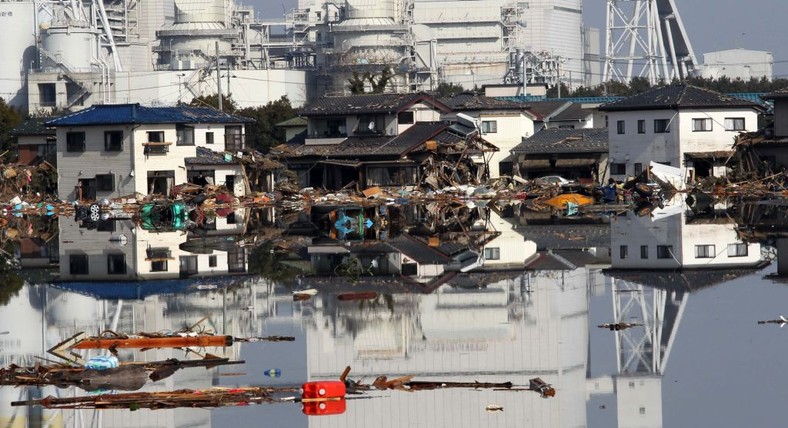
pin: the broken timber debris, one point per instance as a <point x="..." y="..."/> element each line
<point x="113" y="341"/>
<point x="126" y="377"/>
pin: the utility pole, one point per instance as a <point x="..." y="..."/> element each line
<point x="218" y="77"/>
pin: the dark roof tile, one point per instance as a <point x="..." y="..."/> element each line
<point x="588" y="140"/>
<point x="124" y="114"/>
<point x="356" y="147"/>
<point x="474" y="102"/>
<point x="675" y="97"/>
<point x="367" y="104"/>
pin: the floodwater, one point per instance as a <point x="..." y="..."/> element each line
<point x="457" y="293"/>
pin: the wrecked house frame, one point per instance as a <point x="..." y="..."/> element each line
<point x="571" y="153"/>
<point x="387" y="140"/>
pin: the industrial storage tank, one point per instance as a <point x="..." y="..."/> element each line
<point x="370" y="9"/>
<point x="191" y="41"/>
<point x="371" y="33"/>
<point x="74" y="47"/>
<point x="17" y="19"/>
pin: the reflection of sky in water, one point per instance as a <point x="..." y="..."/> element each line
<point x="518" y="325"/>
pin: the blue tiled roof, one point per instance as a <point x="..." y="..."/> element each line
<point x="125" y="114"/>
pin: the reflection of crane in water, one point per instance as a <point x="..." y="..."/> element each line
<point x="646" y="38"/>
<point x="642" y="352"/>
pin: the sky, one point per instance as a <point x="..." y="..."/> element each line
<point x="711" y="25"/>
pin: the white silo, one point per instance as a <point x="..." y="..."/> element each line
<point x="73" y="47"/>
<point x="19" y="26"/>
<point x="191" y="41"/>
<point x="371" y="33"/>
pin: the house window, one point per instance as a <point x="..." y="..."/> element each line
<point x="156" y="137"/>
<point x="489" y="126"/>
<point x="734" y="124"/>
<point x="621" y="127"/>
<point x="623" y="252"/>
<point x="701" y="125"/>
<point x="78" y="264"/>
<point x="184" y="135"/>
<point x="737" y="250"/>
<point x="188" y="265"/>
<point x="644" y="251"/>
<point x="158" y="259"/>
<point x="116" y="264"/>
<point x="704" y="251"/>
<point x="492" y="253"/>
<point x="405" y="118"/>
<point x="209" y="138"/>
<point x="664" y="251"/>
<point x="212" y="262"/>
<point x="105" y="182"/>
<point x="641" y="126"/>
<point x="618" y="168"/>
<point x="113" y="141"/>
<point x="75" y="141"/>
<point x="638" y="168"/>
<point x="661" y="126"/>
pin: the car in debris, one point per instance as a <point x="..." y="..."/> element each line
<point x="553" y="180"/>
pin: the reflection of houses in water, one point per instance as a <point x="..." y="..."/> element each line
<point x="657" y="262"/>
<point x="61" y="313"/>
<point x="766" y="223"/>
<point x="487" y="327"/>
<point x="120" y="250"/>
<point x="674" y="238"/>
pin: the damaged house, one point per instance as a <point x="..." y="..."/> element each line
<point x="502" y="123"/>
<point x="115" y="150"/>
<point x="678" y="125"/>
<point x="765" y="152"/>
<point x="570" y="153"/>
<point x="383" y="140"/>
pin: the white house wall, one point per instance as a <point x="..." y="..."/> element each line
<point x="634" y="232"/>
<point x="95" y="160"/>
<point x="514" y="250"/>
<point x="718" y="139"/>
<point x="631" y="147"/>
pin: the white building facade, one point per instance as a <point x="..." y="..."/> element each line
<point x="677" y="125"/>
<point x="110" y="151"/>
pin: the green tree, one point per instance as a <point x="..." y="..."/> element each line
<point x="446" y="89"/>
<point x="228" y="105"/>
<point x="266" y="261"/>
<point x="262" y="134"/>
<point x="10" y="281"/>
<point x="9" y="119"/>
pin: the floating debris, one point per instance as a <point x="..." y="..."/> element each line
<point x="110" y="376"/>
<point x="112" y="341"/>
<point x="781" y="321"/>
<point x="619" y="326"/>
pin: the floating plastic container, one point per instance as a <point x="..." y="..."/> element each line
<point x="273" y="372"/>
<point x="323" y="389"/>
<point x="102" y="362"/>
<point x="325" y="408"/>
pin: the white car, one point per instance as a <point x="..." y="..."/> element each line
<point x="552" y="180"/>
